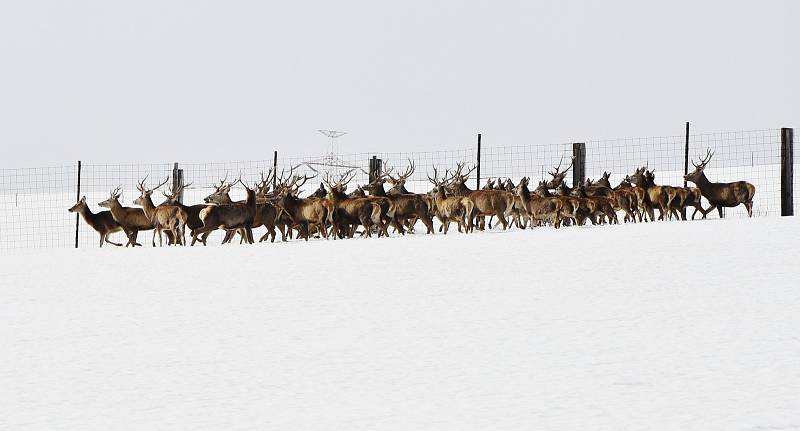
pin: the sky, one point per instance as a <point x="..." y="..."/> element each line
<point x="213" y="81"/>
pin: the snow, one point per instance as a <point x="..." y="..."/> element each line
<point x="669" y="326"/>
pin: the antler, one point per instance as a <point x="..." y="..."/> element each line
<point x="174" y="195"/>
<point x="704" y="160"/>
<point x="115" y="193"/>
<point x="404" y="176"/>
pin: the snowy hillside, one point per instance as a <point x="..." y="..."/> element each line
<point x="669" y="326"/>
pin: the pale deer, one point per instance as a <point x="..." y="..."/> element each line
<point x="449" y="209"/>
<point x="170" y="218"/>
<point x="102" y="222"/>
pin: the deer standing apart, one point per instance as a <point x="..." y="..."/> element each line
<point x="102" y="222"/>
<point x="721" y="195"/>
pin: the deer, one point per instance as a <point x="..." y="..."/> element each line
<point x="489" y="184"/>
<point x="305" y="212"/>
<point x="498" y="203"/>
<point x="347" y="212"/>
<point x="408" y="206"/>
<point x="600" y="207"/>
<point x="654" y="196"/>
<point x="569" y="207"/>
<point x="721" y="195"/>
<point x="131" y="220"/>
<point x="233" y="216"/>
<point x="102" y="222"/>
<point x="540" y="209"/>
<point x="636" y="197"/>
<point x="398" y="185"/>
<point x="620" y="199"/>
<point x="169" y="217"/>
<point x="456" y="209"/>
<point x="193" y="211"/>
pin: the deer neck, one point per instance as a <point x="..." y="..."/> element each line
<point x="703" y="183"/>
<point x="88" y="216"/>
<point x="378" y="190"/>
<point x="148" y="206"/>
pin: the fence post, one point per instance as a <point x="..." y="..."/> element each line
<point x="478" y="178"/>
<point x="77" y="215"/>
<point x="374" y="168"/>
<point x="274" y="169"/>
<point x="177" y="181"/>
<point x="685" y="167"/>
<point x="579" y="163"/>
<point x="787" y="174"/>
<point x="686" y="156"/>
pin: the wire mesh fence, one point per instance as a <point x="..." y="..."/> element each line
<point x="34" y="201"/>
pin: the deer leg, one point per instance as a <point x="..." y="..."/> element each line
<point x="502" y="219"/>
<point x="111" y="242"/>
<point x="719" y="210"/>
<point x="749" y="206"/>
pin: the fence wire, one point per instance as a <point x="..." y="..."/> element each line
<point x="34" y="201"/>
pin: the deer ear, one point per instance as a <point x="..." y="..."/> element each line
<point x="83" y="199"/>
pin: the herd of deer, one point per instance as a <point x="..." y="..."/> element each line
<point x="331" y="212"/>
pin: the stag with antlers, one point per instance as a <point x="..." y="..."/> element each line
<point x="721" y="195"/>
<point x="409" y="207"/>
<point x="165" y="217"/>
<point x="559" y="175"/>
<point x="449" y="209"/>
<point x="348" y="212"/>
<point x="132" y="220"/>
<point x="230" y="217"/>
<point x="307" y="213"/>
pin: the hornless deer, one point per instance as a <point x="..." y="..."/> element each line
<point x="489" y="184"/>
<point x="568" y="210"/>
<point x="171" y="218"/>
<point x="450" y="209"/>
<point x="102" y="222"/>
<point x="637" y="197"/>
<point x="600" y="207"/>
<point x="541" y="209"/>
<point x="231" y="217"/>
<point x="619" y="199"/>
<point x="131" y="220"/>
<point x="654" y="196"/>
<point x="721" y="195"/>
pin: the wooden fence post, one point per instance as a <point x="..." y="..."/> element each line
<point x="374" y="168"/>
<point x="274" y="169"/>
<point x="478" y="178"/>
<point x="77" y="215"/>
<point x="579" y="164"/>
<point x="787" y="171"/>
<point x="177" y="181"/>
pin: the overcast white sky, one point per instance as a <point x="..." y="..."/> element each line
<point x="201" y="81"/>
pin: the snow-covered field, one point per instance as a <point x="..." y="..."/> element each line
<point x="669" y="326"/>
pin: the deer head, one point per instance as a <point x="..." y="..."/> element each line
<point x="145" y="193"/>
<point x="220" y="195"/>
<point x="398" y="184"/>
<point x="113" y="198"/>
<point x="559" y="175"/>
<point x="697" y="173"/>
<point x="78" y="207"/>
